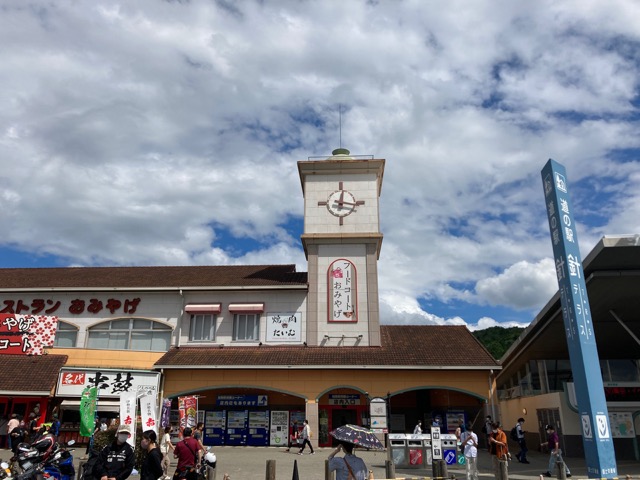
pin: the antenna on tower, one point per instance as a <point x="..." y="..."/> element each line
<point x="340" y="116"/>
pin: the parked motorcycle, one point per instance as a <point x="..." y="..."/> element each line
<point x="59" y="466"/>
<point x="31" y="456"/>
<point x="5" y="471"/>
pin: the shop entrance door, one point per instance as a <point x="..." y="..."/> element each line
<point x="342" y="416"/>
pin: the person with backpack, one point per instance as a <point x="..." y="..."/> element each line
<point x="517" y="435"/>
<point x="189" y="455"/>
<point x="306" y="438"/>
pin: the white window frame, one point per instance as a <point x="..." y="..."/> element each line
<point x="66" y="330"/>
<point x="205" y="336"/>
<point x="107" y="329"/>
<point x="245" y="335"/>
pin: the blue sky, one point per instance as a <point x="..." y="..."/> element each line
<point x="167" y="133"/>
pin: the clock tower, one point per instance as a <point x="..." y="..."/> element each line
<point x="342" y="243"/>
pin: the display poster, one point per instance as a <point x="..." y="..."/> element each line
<point x="27" y="334"/>
<point x="279" y="430"/>
<point x="622" y="425"/>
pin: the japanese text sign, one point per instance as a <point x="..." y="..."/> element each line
<point x="342" y="291"/>
<point x="576" y="314"/>
<point x="26" y="334"/>
<point x="284" y="327"/>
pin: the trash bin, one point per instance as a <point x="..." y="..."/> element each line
<point x="416" y="452"/>
<point x="427" y="454"/>
<point x="449" y="448"/>
<point x="397" y="450"/>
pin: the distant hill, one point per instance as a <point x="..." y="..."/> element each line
<point x="498" y="339"/>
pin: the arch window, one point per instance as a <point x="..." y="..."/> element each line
<point x="66" y="335"/>
<point x="130" y="334"/>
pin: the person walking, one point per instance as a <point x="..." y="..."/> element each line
<point x="522" y="454"/>
<point x="152" y="464"/>
<point x="116" y="460"/>
<point x="306" y="438"/>
<point x="165" y="447"/>
<point x="349" y="466"/>
<point x="293" y="436"/>
<point x="553" y="443"/>
<point x="418" y="428"/>
<point x="498" y="449"/>
<point x="12" y="424"/>
<point x="469" y="445"/>
<point x="189" y="455"/>
<point x="486" y="429"/>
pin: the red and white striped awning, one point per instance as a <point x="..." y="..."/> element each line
<point x="246" y="307"/>
<point x="203" y="308"/>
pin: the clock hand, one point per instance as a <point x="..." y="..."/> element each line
<point x="341" y="201"/>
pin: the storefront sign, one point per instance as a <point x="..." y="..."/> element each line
<point x="110" y="383"/>
<point x="26" y="334"/>
<point x="342" y="291"/>
<point x="242" y="400"/>
<point x="576" y="314"/>
<point x="284" y="327"/>
<point x="76" y="306"/>
<point x="344" y="399"/>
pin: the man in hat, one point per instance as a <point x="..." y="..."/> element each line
<point x="116" y="460"/>
<point x="189" y="455"/>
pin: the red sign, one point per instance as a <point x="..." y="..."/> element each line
<point x="26" y="334"/>
<point x="73" y="378"/>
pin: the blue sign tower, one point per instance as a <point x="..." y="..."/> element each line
<point x="576" y="313"/>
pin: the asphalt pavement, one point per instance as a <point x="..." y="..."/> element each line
<point x="250" y="463"/>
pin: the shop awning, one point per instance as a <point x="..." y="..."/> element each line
<point x="203" y="308"/>
<point x="246" y="307"/>
<point x="103" y="405"/>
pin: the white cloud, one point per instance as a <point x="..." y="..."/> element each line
<point x="168" y="133"/>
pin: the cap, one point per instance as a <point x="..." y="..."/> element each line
<point x="123" y="428"/>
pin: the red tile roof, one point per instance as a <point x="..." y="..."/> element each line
<point x="152" y="277"/>
<point x="33" y="373"/>
<point x="402" y="346"/>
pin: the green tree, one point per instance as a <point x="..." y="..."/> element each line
<point x="498" y="339"/>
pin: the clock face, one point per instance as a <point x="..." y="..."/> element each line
<point x="341" y="203"/>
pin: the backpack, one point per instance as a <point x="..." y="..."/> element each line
<point x="514" y="434"/>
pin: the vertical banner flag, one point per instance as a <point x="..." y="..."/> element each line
<point x="165" y="420"/>
<point x="128" y="416"/>
<point x="88" y="401"/>
<point x="576" y="313"/>
<point x="148" y="411"/>
<point x="188" y="408"/>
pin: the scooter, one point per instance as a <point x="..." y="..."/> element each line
<point x="30" y="456"/>
<point x="5" y="471"/>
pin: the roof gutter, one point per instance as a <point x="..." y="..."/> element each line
<point x="321" y="367"/>
<point x="153" y="289"/>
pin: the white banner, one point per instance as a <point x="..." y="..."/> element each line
<point x="149" y="411"/>
<point x="128" y="405"/>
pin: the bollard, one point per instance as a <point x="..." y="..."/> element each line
<point x="439" y="469"/>
<point x="504" y="470"/>
<point x="389" y="469"/>
<point x="271" y="470"/>
<point x="562" y="472"/>
<point x="211" y="473"/>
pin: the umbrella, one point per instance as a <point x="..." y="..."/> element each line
<point x="359" y="436"/>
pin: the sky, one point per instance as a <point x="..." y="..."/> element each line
<point x="168" y="133"/>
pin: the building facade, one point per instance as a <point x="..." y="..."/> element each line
<point x="260" y="346"/>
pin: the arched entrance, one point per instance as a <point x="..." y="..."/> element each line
<point x="340" y="406"/>
<point x="244" y="415"/>
<point x="431" y="404"/>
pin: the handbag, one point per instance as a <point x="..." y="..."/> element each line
<point x="351" y="475"/>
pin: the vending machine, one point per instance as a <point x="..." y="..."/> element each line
<point x="214" y="427"/>
<point x="237" y="422"/>
<point x="279" y="429"/>
<point x="258" y="429"/>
